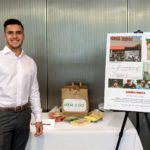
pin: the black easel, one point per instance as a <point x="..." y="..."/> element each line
<point x="137" y="125"/>
<point x="138" y="122"/>
<point x="137" y="118"/>
<point x="122" y="128"/>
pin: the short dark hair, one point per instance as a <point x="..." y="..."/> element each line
<point x="12" y="21"/>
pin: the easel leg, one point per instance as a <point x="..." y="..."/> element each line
<point x="137" y="122"/>
<point x="147" y="120"/>
<point x="122" y="129"/>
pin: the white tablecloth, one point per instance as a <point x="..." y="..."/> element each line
<point x="102" y="135"/>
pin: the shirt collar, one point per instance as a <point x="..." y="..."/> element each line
<point x="6" y="51"/>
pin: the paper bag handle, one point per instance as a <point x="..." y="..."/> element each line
<point x="79" y="82"/>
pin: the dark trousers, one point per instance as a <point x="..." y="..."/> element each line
<point x="14" y="129"/>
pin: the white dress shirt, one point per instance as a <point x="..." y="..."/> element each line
<point x="18" y="82"/>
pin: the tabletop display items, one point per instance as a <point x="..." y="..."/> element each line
<point x="80" y="122"/>
<point x="56" y="114"/>
<point x="75" y="100"/>
<point x="94" y="115"/>
<point x="71" y="118"/>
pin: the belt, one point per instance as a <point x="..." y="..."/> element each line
<point x="18" y="108"/>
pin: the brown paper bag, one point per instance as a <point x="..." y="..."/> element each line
<point x="75" y="100"/>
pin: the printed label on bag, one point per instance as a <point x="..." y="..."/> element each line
<point x="74" y="105"/>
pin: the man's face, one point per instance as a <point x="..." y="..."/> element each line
<point x="129" y="82"/>
<point x="115" y="84"/>
<point x="14" y="36"/>
<point x="142" y="84"/>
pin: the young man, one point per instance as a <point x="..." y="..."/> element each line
<point x="130" y="85"/>
<point x="142" y="86"/>
<point x="115" y="84"/>
<point x="19" y="92"/>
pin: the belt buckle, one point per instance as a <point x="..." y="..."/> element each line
<point x="19" y="108"/>
<point x="15" y="109"/>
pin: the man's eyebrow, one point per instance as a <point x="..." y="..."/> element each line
<point x="9" y="31"/>
<point x="19" y="31"/>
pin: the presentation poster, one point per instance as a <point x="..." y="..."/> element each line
<point x="127" y="72"/>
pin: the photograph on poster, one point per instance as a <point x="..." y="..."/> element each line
<point x="143" y="84"/>
<point x="125" y="48"/>
<point x="148" y="48"/>
<point x="130" y="84"/>
<point x="127" y="72"/>
<point x="146" y="70"/>
<point x="115" y="83"/>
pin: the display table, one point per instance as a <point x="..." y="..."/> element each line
<point x="102" y="135"/>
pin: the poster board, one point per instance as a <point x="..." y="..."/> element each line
<point x="127" y="72"/>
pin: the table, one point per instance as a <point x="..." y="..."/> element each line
<point x="102" y="135"/>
